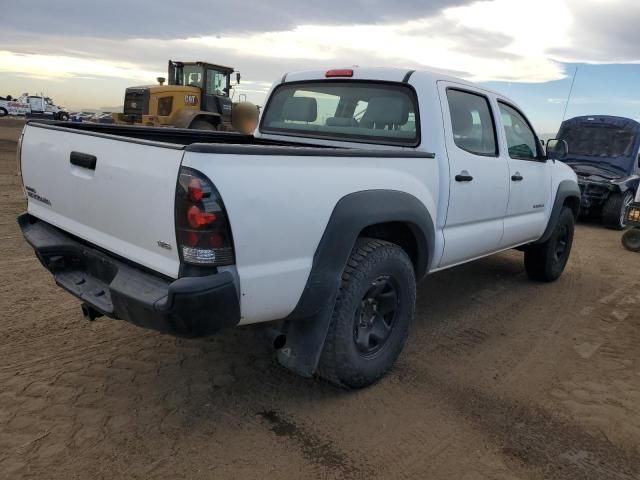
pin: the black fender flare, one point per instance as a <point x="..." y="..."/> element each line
<point x="306" y="327"/>
<point x="566" y="189"/>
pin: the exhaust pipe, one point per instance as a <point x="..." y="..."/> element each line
<point x="276" y="337"/>
<point x="90" y="313"/>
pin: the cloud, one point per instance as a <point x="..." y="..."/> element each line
<point x="452" y="40"/>
<point x="603" y="31"/>
<point x="489" y="40"/>
<point x="127" y="19"/>
<point x="60" y="67"/>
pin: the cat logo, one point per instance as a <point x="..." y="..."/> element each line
<point x="190" y="100"/>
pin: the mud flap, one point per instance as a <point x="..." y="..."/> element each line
<point x="305" y="341"/>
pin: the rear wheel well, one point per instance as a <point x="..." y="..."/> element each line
<point x="574" y="204"/>
<point x="395" y="232"/>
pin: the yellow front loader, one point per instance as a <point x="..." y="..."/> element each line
<point x="197" y="95"/>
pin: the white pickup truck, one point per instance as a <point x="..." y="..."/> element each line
<point x="356" y="184"/>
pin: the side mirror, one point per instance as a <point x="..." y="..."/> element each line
<point x="557" y="149"/>
<point x="161" y="80"/>
<point x="238" y="78"/>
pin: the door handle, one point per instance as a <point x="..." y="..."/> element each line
<point x="463" y="176"/>
<point x="517" y="177"/>
<point x="83" y="160"/>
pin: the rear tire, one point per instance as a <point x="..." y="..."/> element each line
<point x="546" y="262"/>
<point x="202" y="125"/>
<point x="631" y="240"/>
<point x="372" y="315"/>
<point x="64" y="116"/>
<point x="3" y="112"/>
<point x="615" y="209"/>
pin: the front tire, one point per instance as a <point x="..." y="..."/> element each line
<point x="614" y="210"/>
<point x="631" y="240"/>
<point x="372" y="315"/>
<point x="3" y="112"/>
<point x="545" y="262"/>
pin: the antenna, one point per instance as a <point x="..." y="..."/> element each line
<point x="566" y="107"/>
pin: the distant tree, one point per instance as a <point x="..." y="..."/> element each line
<point x="9" y="97"/>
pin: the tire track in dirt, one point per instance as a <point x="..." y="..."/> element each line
<point x="315" y="449"/>
<point x="534" y="438"/>
<point x="608" y="342"/>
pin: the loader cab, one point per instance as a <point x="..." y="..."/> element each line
<point x="214" y="81"/>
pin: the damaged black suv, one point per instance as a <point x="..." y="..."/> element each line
<point x="604" y="153"/>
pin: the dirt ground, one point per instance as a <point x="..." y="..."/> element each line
<point x="502" y="379"/>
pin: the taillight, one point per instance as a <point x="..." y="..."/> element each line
<point x="202" y="226"/>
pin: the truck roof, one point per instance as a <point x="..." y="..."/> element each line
<point x="208" y="64"/>
<point x="389" y="74"/>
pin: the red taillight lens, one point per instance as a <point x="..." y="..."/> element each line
<point x="192" y="239"/>
<point x="216" y="240"/>
<point x="195" y="190"/>
<point x="197" y="218"/>
<point x="341" y="72"/>
<point x="202" y="227"/>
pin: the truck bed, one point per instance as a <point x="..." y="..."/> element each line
<point x="176" y="136"/>
<point x="202" y="141"/>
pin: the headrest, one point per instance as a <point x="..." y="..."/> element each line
<point x="461" y="119"/>
<point x="342" y="122"/>
<point x="387" y="110"/>
<point x="300" y="109"/>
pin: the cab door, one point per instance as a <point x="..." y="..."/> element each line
<point x="215" y="96"/>
<point x="479" y="175"/>
<point x="36" y="104"/>
<point x="529" y="178"/>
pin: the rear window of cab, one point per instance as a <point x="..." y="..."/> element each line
<point x="352" y="111"/>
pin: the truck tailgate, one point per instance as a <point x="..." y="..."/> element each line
<point x="114" y="193"/>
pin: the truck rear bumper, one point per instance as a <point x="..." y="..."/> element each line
<point x="188" y="306"/>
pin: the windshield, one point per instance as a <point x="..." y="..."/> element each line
<point x="189" y="75"/>
<point x="344" y="110"/>
<point x="599" y="141"/>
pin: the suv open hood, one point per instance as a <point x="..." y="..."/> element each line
<point x="613" y="142"/>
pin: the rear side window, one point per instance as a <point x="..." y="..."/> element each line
<point x="472" y="123"/>
<point x="344" y="110"/>
<point x="521" y="141"/>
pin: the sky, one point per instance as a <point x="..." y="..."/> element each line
<point x="84" y="53"/>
